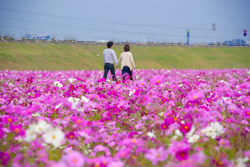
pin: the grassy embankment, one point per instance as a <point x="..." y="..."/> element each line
<point x="22" y="56"/>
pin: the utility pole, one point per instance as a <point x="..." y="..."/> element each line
<point x="213" y="28"/>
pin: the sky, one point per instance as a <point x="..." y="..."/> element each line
<point x="130" y="20"/>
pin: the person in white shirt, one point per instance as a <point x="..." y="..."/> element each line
<point x="108" y="57"/>
<point x="127" y="62"/>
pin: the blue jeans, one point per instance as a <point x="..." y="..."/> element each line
<point x="127" y="70"/>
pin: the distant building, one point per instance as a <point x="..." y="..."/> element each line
<point x="248" y="43"/>
<point x="101" y="41"/>
<point x="28" y="36"/>
<point x="44" y="37"/>
<point x="235" y="42"/>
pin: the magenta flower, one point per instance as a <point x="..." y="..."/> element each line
<point x="185" y="128"/>
<point x="179" y="150"/>
<point x="30" y="80"/>
<point x="155" y="155"/>
<point x="75" y="158"/>
<point x="101" y="80"/>
<point x="167" y="123"/>
<point x="1" y="131"/>
<point x="17" y="129"/>
<point x="9" y="119"/>
<point x="5" y="157"/>
<point x="35" y="95"/>
<point x="70" y="135"/>
<point x="182" y="155"/>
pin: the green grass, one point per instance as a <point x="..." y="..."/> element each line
<point x="21" y="56"/>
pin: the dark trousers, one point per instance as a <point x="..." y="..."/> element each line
<point x="107" y="67"/>
<point x="127" y="70"/>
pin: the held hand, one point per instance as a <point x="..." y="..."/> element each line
<point x="116" y="66"/>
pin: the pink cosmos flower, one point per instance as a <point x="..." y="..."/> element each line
<point x="78" y="120"/>
<point x="157" y="80"/>
<point x="246" y="113"/>
<point x="143" y="100"/>
<point x="59" y="164"/>
<point x="75" y="158"/>
<point x="194" y="96"/>
<point x="247" y="100"/>
<point x="224" y="143"/>
<point x="42" y="155"/>
<point x="116" y="164"/>
<point x="155" y="155"/>
<point x="123" y="153"/>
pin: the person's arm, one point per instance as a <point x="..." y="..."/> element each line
<point x="114" y="57"/>
<point x="120" y="58"/>
<point x="103" y="57"/>
<point x="132" y="61"/>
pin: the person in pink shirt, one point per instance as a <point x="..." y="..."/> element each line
<point x="127" y="62"/>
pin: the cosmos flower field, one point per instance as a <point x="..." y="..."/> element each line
<point x="168" y="118"/>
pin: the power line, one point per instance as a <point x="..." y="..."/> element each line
<point x="110" y="22"/>
<point x="88" y="28"/>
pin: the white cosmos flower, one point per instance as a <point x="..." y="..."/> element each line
<point x="131" y="92"/>
<point x="193" y="139"/>
<point x="30" y="134"/>
<point x="54" y="137"/>
<point x="71" y="80"/>
<point x="161" y="114"/>
<point x="42" y="126"/>
<point x="241" y="162"/>
<point x="209" y="132"/>
<point x="85" y="99"/>
<point x="191" y="132"/>
<point x="58" y="106"/>
<point x="56" y="83"/>
<point x="178" y="133"/>
<point x="218" y="128"/>
<point x="36" y="114"/>
<point x="60" y="85"/>
<point x="248" y="72"/>
<point x="151" y="134"/>
<point x="74" y="102"/>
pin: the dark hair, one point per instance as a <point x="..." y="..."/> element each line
<point x="126" y="47"/>
<point x="109" y="44"/>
